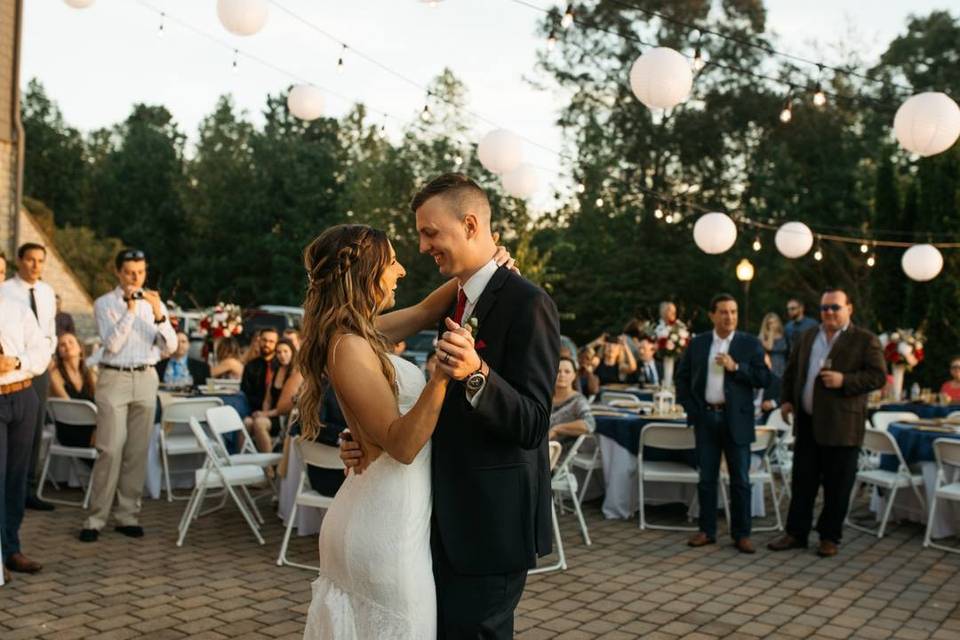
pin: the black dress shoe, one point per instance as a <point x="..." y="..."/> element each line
<point x="33" y="502"/>
<point x="131" y="531"/>
<point x="89" y="535"/>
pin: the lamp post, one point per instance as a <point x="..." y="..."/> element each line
<point x="745" y="275"/>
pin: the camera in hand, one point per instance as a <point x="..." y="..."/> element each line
<point x="137" y="295"/>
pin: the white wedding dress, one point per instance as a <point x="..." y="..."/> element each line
<point x="376" y="575"/>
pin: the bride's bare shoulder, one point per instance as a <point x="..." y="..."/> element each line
<point x="350" y="347"/>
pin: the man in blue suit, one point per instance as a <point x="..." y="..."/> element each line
<point x="716" y="379"/>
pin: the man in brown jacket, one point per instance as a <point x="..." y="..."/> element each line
<point x="832" y="369"/>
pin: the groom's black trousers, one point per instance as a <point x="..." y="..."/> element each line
<point x="470" y="606"/>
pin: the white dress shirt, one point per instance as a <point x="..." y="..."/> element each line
<point x="473" y="288"/>
<point x="131" y="338"/>
<point x="18" y="290"/>
<point x="715" y="372"/>
<point x="20" y="337"/>
<point x="819" y="354"/>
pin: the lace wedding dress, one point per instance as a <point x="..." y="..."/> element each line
<point x="376" y="576"/>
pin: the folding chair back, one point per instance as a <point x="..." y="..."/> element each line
<point x="181" y="410"/>
<point x="882" y="419"/>
<point x="880" y="442"/>
<point x="72" y="412"/>
<point x="554" y="455"/>
<point x="620" y="398"/>
<point x="776" y="421"/>
<point x="225" y="383"/>
<point x="766" y="438"/>
<point x="953" y="415"/>
<point x="204" y="442"/>
<point x="319" y="455"/>
<point x="667" y="436"/>
<point x="223" y="420"/>
<point x="947" y="452"/>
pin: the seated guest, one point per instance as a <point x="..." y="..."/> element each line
<point x="951" y="388"/>
<point x="63" y="321"/>
<point x="326" y="482"/>
<point x="252" y="352"/>
<point x="71" y="379"/>
<point x="181" y="371"/>
<point x="258" y="373"/>
<point x="229" y="365"/>
<point x="570" y="416"/>
<point x="293" y="336"/>
<point x="649" y="371"/>
<point x="616" y="360"/>
<point x="431" y="364"/>
<point x="587" y="380"/>
<point x="265" y="422"/>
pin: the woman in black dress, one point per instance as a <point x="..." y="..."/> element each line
<point x="71" y="379"/>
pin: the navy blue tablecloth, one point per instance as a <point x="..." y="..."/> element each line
<point x="926" y="411"/>
<point x="625" y="430"/>
<point x="915" y="444"/>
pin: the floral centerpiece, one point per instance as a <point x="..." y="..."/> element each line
<point x="903" y="349"/>
<point x="222" y="321"/>
<point x="672" y="339"/>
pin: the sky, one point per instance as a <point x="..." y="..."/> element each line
<point x="97" y="62"/>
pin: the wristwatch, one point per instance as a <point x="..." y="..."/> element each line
<point x="160" y="321"/>
<point x="476" y="380"/>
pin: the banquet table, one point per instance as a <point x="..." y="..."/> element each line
<point x="916" y="444"/>
<point x="619" y="441"/>
<point x="644" y="395"/>
<point x="923" y="410"/>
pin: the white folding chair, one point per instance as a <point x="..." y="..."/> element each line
<point x="563" y="481"/>
<point x="881" y="442"/>
<point x="947" y="453"/>
<point x="224" y="420"/>
<point x="882" y="419"/>
<point x="764" y="444"/>
<point x="72" y="413"/>
<point x="673" y="437"/>
<point x="561" y="564"/>
<point x="179" y="441"/>
<point x="783" y="452"/>
<point x="953" y="416"/>
<point x="620" y="399"/>
<point x="317" y="455"/>
<point x="588" y="461"/>
<point x="217" y="473"/>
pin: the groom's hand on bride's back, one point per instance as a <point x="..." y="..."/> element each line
<point x="350" y="452"/>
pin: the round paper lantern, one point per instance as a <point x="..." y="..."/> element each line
<point x="714" y="232"/>
<point x="522" y="182"/>
<point x="922" y="262"/>
<point x="927" y="123"/>
<point x="305" y="101"/>
<point x="79" y="4"/>
<point x="500" y="151"/>
<point x="242" y="17"/>
<point x="661" y="78"/>
<point x="793" y="239"/>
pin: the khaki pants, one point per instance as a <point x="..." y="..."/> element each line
<point x="126" y="403"/>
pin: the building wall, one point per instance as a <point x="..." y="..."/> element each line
<point x="9" y="97"/>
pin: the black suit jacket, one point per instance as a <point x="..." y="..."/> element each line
<point x="738" y="387"/>
<point x="491" y="475"/>
<point x="254" y="381"/>
<point x="839" y="415"/>
<point x="640" y="376"/>
<point x="199" y="370"/>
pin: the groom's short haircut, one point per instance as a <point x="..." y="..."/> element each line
<point x="462" y="193"/>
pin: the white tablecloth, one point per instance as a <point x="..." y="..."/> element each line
<point x="308" y="518"/>
<point x="622" y="491"/>
<point x="946" y="521"/>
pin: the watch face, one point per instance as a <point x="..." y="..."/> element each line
<point x="475" y="381"/>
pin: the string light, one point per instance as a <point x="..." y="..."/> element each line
<point x="658" y="213"/>
<point x="864" y="248"/>
<point x="756" y="243"/>
<point x="819" y="97"/>
<point x="786" y="115"/>
<point x="551" y="40"/>
<point x="236" y="61"/>
<point x="599" y="202"/>
<point x="872" y="260"/>
<point x="162" y="20"/>
<point x="567" y="19"/>
<point x="698" y="61"/>
<point x="340" y="59"/>
<point x="425" y="114"/>
<point x="457" y="161"/>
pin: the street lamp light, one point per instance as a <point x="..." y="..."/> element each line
<point x="745" y="275"/>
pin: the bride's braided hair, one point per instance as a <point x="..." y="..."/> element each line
<point x="344" y="265"/>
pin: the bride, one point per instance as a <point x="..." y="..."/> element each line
<point x="376" y="578"/>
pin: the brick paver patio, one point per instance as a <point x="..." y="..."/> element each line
<point x="629" y="584"/>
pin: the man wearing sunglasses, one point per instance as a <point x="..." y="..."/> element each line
<point x="830" y="373"/>
<point x="135" y="329"/>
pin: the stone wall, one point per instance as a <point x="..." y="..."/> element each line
<point x="8" y="128"/>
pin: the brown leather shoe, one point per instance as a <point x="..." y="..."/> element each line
<point x="827" y="549"/>
<point x="700" y="539"/>
<point x="20" y="563"/>
<point x="6" y="576"/>
<point x="785" y="542"/>
<point x="744" y="545"/>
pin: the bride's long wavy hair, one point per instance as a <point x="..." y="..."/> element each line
<point x="344" y="266"/>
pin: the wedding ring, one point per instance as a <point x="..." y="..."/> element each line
<point x="446" y="358"/>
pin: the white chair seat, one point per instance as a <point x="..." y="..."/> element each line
<point x="888" y="479"/>
<point x="177" y="445"/>
<point x="664" y="471"/>
<point x="257" y="459"/>
<point x="949" y="491"/>
<point x="310" y="498"/>
<point x="87" y="453"/>
<point x="235" y="475"/>
<point x="567" y="482"/>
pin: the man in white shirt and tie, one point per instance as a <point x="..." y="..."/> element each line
<point x="135" y="329"/>
<point x="23" y="355"/>
<point x="647" y="371"/>
<point x="28" y="289"/>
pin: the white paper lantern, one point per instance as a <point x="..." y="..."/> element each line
<point x="79" y="4"/>
<point x="242" y="17"/>
<point x="793" y="239"/>
<point x="927" y="123"/>
<point x="522" y="182"/>
<point x="661" y="78"/>
<point x="305" y="101"/>
<point x="922" y="262"/>
<point x="500" y="151"/>
<point x="714" y="232"/>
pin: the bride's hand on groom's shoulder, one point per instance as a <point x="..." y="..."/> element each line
<point x="502" y="257"/>
<point x="350" y="452"/>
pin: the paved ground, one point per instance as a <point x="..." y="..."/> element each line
<point x="629" y="584"/>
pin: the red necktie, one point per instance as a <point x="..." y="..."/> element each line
<point x="269" y="376"/>
<point x="461" y="305"/>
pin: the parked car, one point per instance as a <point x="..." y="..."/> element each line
<point x="419" y="346"/>
<point x="293" y="315"/>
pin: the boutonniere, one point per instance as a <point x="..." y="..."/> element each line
<point x="473" y="325"/>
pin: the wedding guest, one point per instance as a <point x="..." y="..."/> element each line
<point x="616" y="360"/>
<point x="774" y="342"/>
<point x="258" y="372"/>
<point x="797" y="322"/>
<point x="431" y="363"/>
<point x="179" y="369"/>
<point x="28" y="289"/>
<point x="587" y="380"/>
<point x="951" y="388"/>
<point x="668" y="313"/>
<point x="135" y="328"/>
<point x="229" y="363"/>
<point x="830" y="373"/>
<point x="326" y="482"/>
<point x="64" y="321"/>
<point x="23" y="355"/>
<point x="716" y="379"/>
<point x="768" y="398"/>
<point x="265" y="422"/>
<point x="649" y="371"/>
<point x="399" y="348"/>
<point x="570" y="415"/>
<point x="293" y="335"/>
<point x="252" y="352"/>
<point x="71" y="379"/>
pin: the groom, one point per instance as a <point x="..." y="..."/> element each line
<point x="491" y="477"/>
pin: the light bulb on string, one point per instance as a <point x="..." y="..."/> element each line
<point x="599" y="202"/>
<point x="457" y="161"/>
<point x="551" y="40"/>
<point x="756" y="244"/>
<point x="818" y="254"/>
<point x="425" y="114"/>
<point x="163" y="17"/>
<point x="786" y="115"/>
<point x="819" y="97"/>
<point x="581" y="188"/>
<point x="658" y="213"/>
<point x="698" y="62"/>
<point x="340" y="59"/>
<point x="236" y="61"/>
<point x="567" y="19"/>
<point x="872" y="260"/>
<point x="864" y="248"/>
